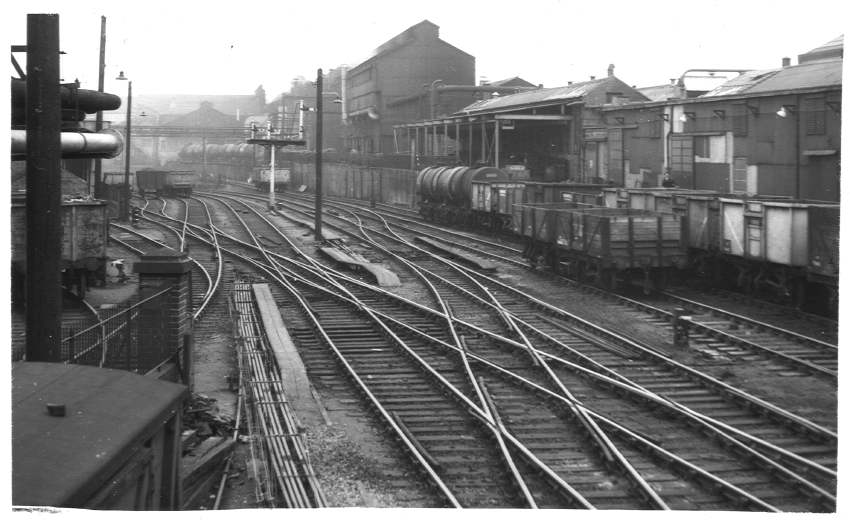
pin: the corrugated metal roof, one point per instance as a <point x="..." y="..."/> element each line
<point x="532" y="97"/>
<point x="741" y="83"/>
<point x="826" y="73"/>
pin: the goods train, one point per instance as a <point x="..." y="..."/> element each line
<point x="177" y="183"/>
<point x="484" y="196"/>
<point x="596" y="232"/>
<point x="260" y="178"/>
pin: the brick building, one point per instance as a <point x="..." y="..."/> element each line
<point x="378" y="92"/>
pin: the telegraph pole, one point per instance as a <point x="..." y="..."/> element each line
<point x="98" y="122"/>
<point x="44" y="190"/>
<point x="318" y="210"/>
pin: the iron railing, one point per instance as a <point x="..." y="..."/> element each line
<point x="130" y="339"/>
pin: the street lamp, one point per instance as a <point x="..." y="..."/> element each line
<point x="125" y="209"/>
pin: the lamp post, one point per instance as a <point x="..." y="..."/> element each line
<point x="125" y="207"/>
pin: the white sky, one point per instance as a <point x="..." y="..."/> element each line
<point x="231" y="48"/>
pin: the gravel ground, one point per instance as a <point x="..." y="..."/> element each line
<point x="351" y="459"/>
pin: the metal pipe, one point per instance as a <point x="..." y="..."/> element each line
<point x="89" y="101"/>
<point x="76" y="145"/>
<point x="44" y="190"/>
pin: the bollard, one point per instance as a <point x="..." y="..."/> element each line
<point x="681" y="323"/>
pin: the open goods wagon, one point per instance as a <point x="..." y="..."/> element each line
<point x="492" y="201"/>
<point x="602" y="244"/>
<point x="85" y="234"/>
<point x="176" y="183"/>
<point x="260" y="178"/>
<point x="774" y="245"/>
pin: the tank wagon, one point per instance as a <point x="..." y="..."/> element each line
<point x="765" y="244"/>
<point x="85" y="234"/>
<point x="175" y="183"/>
<point x="445" y="192"/>
<point x="484" y="196"/>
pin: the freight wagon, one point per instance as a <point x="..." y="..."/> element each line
<point x="260" y="178"/>
<point x="602" y="244"/>
<point x="85" y="233"/>
<point x="766" y="244"/>
<point x="172" y="183"/>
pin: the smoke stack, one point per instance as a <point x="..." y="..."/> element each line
<point x="786" y="62"/>
<point x="610" y="70"/>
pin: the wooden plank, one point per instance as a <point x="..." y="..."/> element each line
<point x="293" y="374"/>
<point x="458" y="254"/>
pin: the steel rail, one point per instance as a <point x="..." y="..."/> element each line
<point x="604" y="444"/>
<point x="479" y="413"/>
<point x="364" y="388"/>
<point x="791" y="474"/>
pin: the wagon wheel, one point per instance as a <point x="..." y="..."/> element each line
<point x="608" y="279"/>
<point x="798" y="293"/>
<point x="553" y="260"/>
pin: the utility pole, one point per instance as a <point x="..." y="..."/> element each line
<point x="271" y="173"/>
<point x="44" y="190"/>
<point x="318" y="210"/>
<point x="98" y="122"/>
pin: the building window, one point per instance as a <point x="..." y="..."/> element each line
<point x="709" y="148"/>
<point x="702" y="147"/>
<point x="815" y="114"/>
<point x="740" y="121"/>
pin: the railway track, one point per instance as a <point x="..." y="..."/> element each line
<point x="696" y="417"/>
<point x="716" y="333"/>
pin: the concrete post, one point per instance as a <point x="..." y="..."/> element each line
<point x="168" y="268"/>
<point x="681" y="323"/>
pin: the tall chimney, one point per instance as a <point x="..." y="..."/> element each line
<point x="786" y="62"/>
<point x="610" y="70"/>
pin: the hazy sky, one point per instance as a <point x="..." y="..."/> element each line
<point x="231" y="48"/>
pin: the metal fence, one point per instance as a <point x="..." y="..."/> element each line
<point x="130" y="339"/>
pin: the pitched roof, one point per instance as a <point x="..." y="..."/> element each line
<point x="831" y="49"/>
<point x="740" y="83"/>
<point x="406" y="37"/>
<point x="205" y="116"/>
<point x="662" y="92"/>
<point x="814" y="74"/>
<point x="543" y="96"/>
<point x="515" y="81"/>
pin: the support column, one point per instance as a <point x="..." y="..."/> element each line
<point x="167" y="268"/>
<point x="44" y="191"/>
